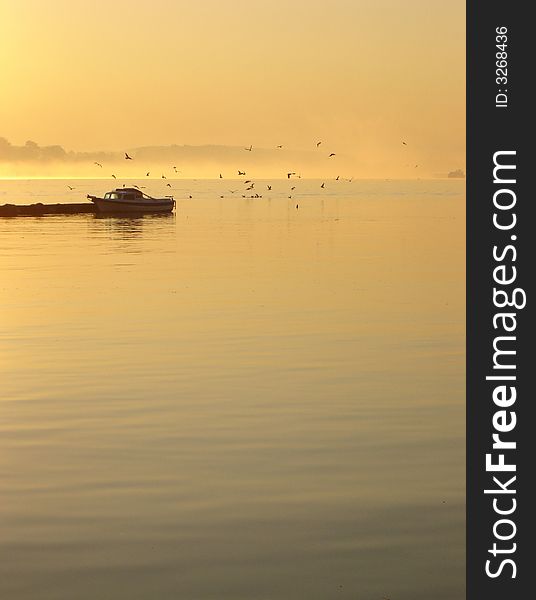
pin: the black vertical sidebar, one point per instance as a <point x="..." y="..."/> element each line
<point x="500" y="525"/>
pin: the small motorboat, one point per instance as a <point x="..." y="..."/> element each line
<point x="132" y="200"/>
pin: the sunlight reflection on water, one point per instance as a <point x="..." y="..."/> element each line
<point x="240" y="400"/>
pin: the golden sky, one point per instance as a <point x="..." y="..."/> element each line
<point x="360" y="75"/>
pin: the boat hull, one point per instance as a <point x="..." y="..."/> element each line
<point x="137" y="207"/>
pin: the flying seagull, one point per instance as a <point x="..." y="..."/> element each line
<point x="163" y="176"/>
<point x="114" y="176"/>
<point x="98" y="164"/>
<point x="292" y="188"/>
<point x="322" y="186"/>
<point x="332" y="154"/>
<point x="221" y="176"/>
<point x="233" y="191"/>
<point x="280" y="146"/>
<point x="241" y="172"/>
<point x="289" y="175"/>
<point x="168" y="184"/>
<point x="249" y="149"/>
<point x="71" y="188"/>
<point x="269" y="187"/>
<point x="404" y="143"/>
<point x="318" y="144"/>
<point x="337" y="178"/>
<point x="127" y="157"/>
<point x="148" y="173"/>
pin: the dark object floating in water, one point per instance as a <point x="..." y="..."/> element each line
<point x="39" y="209"/>
<point x="457" y="174"/>
<point x="131" y="200"/>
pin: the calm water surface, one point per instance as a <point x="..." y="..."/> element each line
<point x="240" y="401"/>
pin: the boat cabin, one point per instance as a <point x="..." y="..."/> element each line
<point x="125" y="194"/>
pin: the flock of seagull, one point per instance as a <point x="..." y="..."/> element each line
<point x="290" y="174"/>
